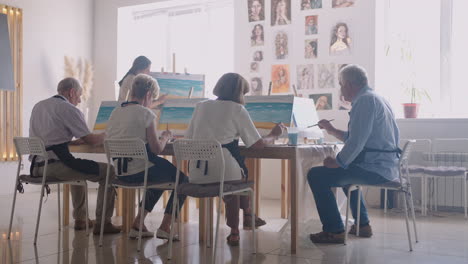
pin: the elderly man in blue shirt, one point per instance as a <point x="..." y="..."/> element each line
<point x="370" y="156"/>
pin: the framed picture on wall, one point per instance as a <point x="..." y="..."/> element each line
<point x="280" y="12"/>
<point x="280" y="78"/>
<point x="256" y="10"/>
<point x="340" y="40"/>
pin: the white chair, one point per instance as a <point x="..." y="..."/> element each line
<point x="403" y="186"/>
<point x="417" y="163"/>
<point x="35" y="146"/>
<point x="209" y="151"/>
<point x="133" y="148"/>
<point x="449" y="158"/>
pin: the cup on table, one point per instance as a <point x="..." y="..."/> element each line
<point x="292" y="136"/>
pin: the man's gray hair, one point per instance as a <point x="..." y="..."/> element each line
<point x="67" y="84"/>
<point x="354" y="75"/>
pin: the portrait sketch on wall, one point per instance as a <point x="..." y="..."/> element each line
<point x="340" y="41"/>
<point x="280" y="78"/>
<point x="326" y="75"/>
<point x="311" y="25"/>
<point x="310" y="49"/>
<point x="281" y="45"/>
<point x="257" y="35"/>
<point x="342" y="3"/>
<point x="256" y="10"/>
<point x="322" y="101"/>
<point x="254" y="67"/>
<point x="280" y="12"/>
<point x="256" y="86"/>
<point x="305" y="77"/>
<point x="257" y="55"/>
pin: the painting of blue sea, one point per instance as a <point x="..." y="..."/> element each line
<point x="105" y="110"/>
<point x="176" y="115"/>
<point x="179" y="85"/>
<point x="270" y="109"/>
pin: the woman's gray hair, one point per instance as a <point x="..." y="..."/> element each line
<point x="354" y="75"/>
<point x="67" y="84"/>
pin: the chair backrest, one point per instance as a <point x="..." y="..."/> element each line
<point x="203" y="150"/>
<point x="459" y="145"/>
<point x="418" y="150"/>
<point x="30" y="146"/>
<point x="403" y="164"/>
<point x="125" y="148"/>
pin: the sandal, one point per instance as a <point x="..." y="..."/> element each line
<point x="232" y="241"/>
<point x="248" y="222"/>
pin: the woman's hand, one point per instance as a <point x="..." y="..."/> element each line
<point x="166" y="135"/>
<point x="161" y="100"/>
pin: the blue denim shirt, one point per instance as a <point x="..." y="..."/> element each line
<point x="371" y="124"/>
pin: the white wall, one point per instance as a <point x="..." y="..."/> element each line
<point x="51" y="30"/>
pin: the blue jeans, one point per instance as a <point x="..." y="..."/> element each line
<point x="322" y="179"/>
<point x="162" y="171"/>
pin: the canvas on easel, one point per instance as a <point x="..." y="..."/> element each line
<point x="104" y="113"/>
<point x="176" y="115"/>
<point x="178" y="85"/>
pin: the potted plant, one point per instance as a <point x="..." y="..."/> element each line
<point x="411" y="109"/>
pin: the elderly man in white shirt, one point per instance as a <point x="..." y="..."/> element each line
<point x="56" y="121"/>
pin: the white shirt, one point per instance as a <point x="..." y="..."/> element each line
<point x="223" y="121"/>
<point x="126" y="87"/>
<point x="131" y="121"/>
<point x="56" y="121"/>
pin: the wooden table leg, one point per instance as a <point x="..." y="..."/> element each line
<point x="66" y="204"/>
<point x="294" y="212"/>
<point x="284" y="190"/>
<point x="119" y="202"/>
<point x="128" y="214"/>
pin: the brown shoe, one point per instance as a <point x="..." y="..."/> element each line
<point x="81" y="224"/>
<point x="248" y="222"/>
<point x="233" y="240"/>
<point x="364" y="231"/>
<point x="109" y="228"/>
<point x="326" y="237"/>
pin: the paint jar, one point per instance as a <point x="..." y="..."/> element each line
<point x="292" y="136"/>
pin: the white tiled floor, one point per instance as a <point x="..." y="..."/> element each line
<point x="443" y="239"/>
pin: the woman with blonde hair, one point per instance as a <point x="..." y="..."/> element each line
<point x="226" y="120"/>
<point x="133" y="119"/>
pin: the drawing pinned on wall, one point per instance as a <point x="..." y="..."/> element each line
<point x="176" y="115"/>
<point x="256" y="86"/>
<point x="178" y="85"/>
<point x="257" y="35"/>
<point x="267" y="111"/>
<point x="342" y="3"/>
<point x="340" y="41"/>
<point x="254" y="67"/>
<point x="280" y="78"/>
<point x="322" y="101"/>
<point x="311" y="25"/>
<point x="257" y="55"/>
<point x="104" y="113"/>
<point x="310" y="48"/>
<point x="280" y="12"/>
<point x="311" y="4"/>
<point x="256" y="10"/>
<point x="305" y="77"/>
<point x="281" y="45"/>
<point x="326" y="75"/>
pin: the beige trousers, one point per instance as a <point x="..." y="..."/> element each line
<point x="59" y="171"/>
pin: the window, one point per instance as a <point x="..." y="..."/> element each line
<point x="199" y="33"/>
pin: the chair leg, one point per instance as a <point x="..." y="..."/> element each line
<point x="413" y="215"/>
<point x="171" y="235"/>
<point x="405" y="203"/>
<point x="385" y="200"/>
<point x="358" y="210"/>
<point x="436" y="193"/>
<point x="86" y="209"/>
<point x="39" y="215"/>
<point x="12" y="209"/>
<point x="348" y="203"/>
<point x="142" y="219"/>
<point x="465" y="196"/>
<point x="252" y="200"/>
<point x="104" y="206"/>
<point x="179" y="221"/>
<point x="218" y="215"/>
<point x="58" y="203"/>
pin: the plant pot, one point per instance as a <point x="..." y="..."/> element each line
<point x="411" y="110"/>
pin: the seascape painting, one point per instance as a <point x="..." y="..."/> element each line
<point x="176" y="115"/>
<point x="105" y="110"/>
<point x="266" y="111"/>
<point x="178" y="85"/>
